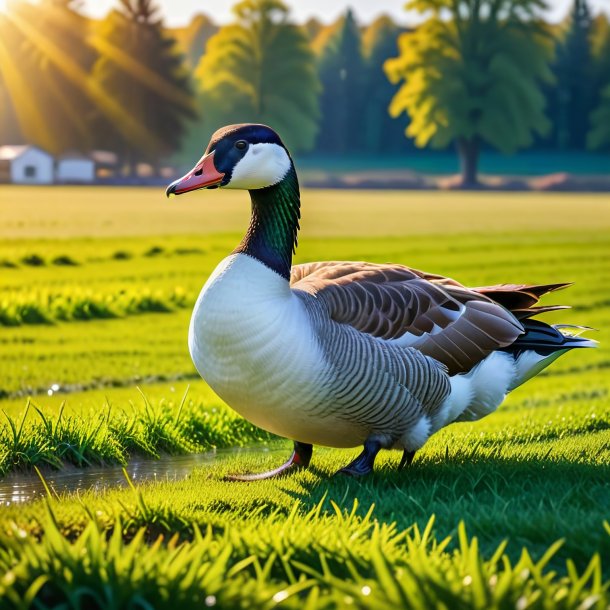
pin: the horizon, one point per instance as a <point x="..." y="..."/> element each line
<point x="182" y="11"/>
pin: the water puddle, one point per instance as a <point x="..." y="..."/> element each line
<point x="17" y="488"/>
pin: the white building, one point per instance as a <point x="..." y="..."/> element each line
<point x="73" y="168"/>
<point x="25" y="165"/>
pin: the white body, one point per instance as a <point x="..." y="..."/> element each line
<point x="251" y="340"/>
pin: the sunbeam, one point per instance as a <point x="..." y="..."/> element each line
<point x="127" y="124"/>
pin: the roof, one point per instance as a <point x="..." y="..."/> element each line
<point x="104" y="157"/>
<point x="8" y="153"/>
<point x="74" y="156"/>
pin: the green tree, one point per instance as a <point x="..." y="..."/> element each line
<point x="599" y="134"/>
<point x="140" y="68"/>
<point x="194" y="37"/>
<point x="600" y="48"/>
<point x="313" y="27"/>
<point x="574" y="79"/>
<point x="261" y="69"/>
<point x="342" y="74"/>
<point x="473" y="78"/>
<point x="49" y="47"/>
<point x="380" y="130"/>
<point x="10" y="43"/>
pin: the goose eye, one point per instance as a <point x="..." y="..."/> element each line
<point x="241" y="144"/>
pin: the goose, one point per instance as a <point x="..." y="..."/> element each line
<point x="349" y="354"/>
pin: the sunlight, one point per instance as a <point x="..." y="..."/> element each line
<point x="126" y="124"/>
<point x="28" y="113"/>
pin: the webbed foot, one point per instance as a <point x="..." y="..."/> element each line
<point x="300" y="458"/>
<point x="363" y="464"/>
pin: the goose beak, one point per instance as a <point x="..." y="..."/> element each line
<point x="203" y="175"/>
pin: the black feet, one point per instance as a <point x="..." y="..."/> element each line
<point x="406" y="459"/>
<point x="363" y="464"/>
<point x="300" y="458"/>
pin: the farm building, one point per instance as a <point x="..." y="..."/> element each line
<point x="106" y="163"/>
<point x="73" y="167"/>
<point x="26" y="165"/>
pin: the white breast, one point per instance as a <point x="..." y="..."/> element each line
<point x="251" y="339"/>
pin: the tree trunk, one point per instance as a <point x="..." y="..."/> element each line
<point x="468" y="151"/>
<point x="130" y="164"/>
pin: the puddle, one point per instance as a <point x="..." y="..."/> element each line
<point x="17" y="488"/>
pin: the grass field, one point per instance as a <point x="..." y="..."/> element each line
<point x="96" y="287"/>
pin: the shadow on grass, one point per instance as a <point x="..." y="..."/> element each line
<point x="531" y="503"/>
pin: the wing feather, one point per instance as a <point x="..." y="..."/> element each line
<point x="458" y="326"/>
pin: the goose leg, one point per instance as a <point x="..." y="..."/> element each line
<point x="406" y="459"/>
<point x="299" y="459"/>
<point x="363" y="464"/>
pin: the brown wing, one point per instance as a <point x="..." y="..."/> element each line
<point x="456" y="325"/>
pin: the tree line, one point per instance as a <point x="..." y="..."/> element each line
<point x="473" y="74"/>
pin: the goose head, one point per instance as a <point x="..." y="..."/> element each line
<point x="247" y="156"/>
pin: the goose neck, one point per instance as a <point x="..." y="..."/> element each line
<point x="274" y="223"/>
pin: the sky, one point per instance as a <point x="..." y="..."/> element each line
<point x="179" y="12"/>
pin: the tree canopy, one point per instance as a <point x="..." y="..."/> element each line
<point x="193" y="37"/>
<point x="381" y="132"/>
<point x="342" y="74"/>
<point x="141" y="70"/>
<point x="261" y="69"/>
<point x="473" y="77"/>
<point x="599" y="134"/>
<point x="46" y="59"/>
<point x="574" y="73"/>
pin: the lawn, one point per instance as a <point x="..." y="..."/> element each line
<point x="96" y="287"/>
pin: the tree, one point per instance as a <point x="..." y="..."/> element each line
<point x="11" y="84"/>
<point x="48" y="43"/>
<point x="342" y="74"/>
<point x="474" y="78"/>
<point x="600" y="51"/>
<point x="599" y="134"/>
<point x="313" y="27"/>
<point x="574" y="79"/>
<point x="261" y="69"/>
<point x="140" y="68"/>
<point x="193" y="38"/>
<point x="380" y="131"/>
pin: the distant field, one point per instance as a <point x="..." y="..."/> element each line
<point x="52" y="213"/>
<point x="96" y="288"/>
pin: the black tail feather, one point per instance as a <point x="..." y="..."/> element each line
<point x="546" y="339"/>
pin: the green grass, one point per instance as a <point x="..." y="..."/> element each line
<point x="531" y="474"/>
<point x="109" y="433"/>
<point x="320" y="559"/>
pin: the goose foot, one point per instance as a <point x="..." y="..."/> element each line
<point x="363" y="464"/>
<point x="299" y="459"/>
<point x="406" y="459"/>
